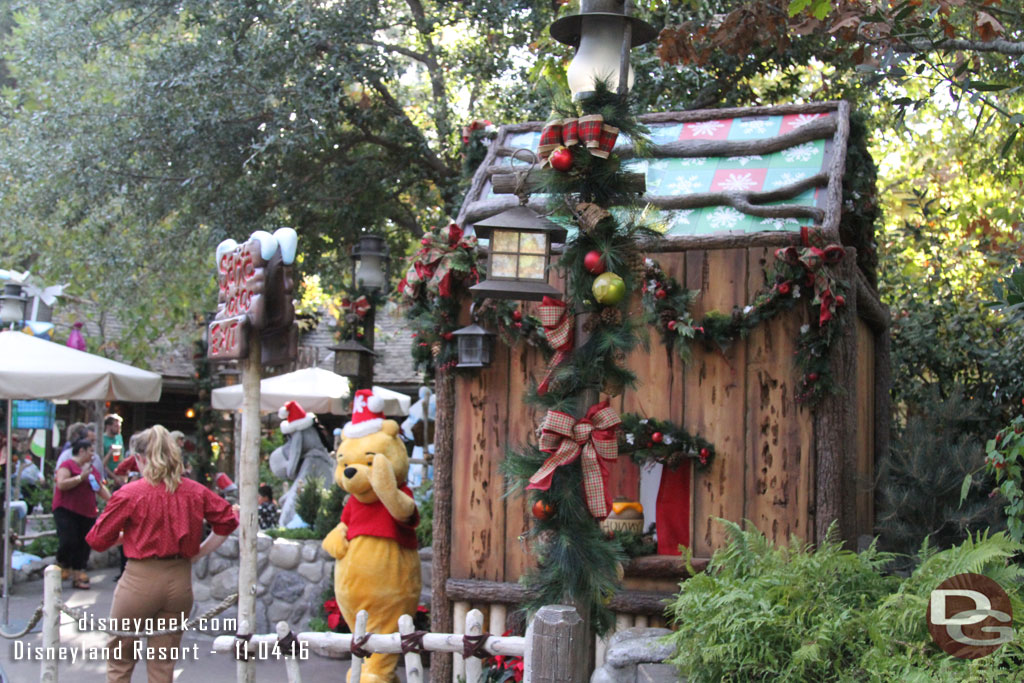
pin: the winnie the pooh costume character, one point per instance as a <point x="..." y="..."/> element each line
<point x="377" y="564"/>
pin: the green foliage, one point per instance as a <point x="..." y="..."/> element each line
<point x="329" y="514"/>
<point x="44" y="546"/>
<point x="767" y="613"/>
<point x="424" y="496"/>
<point x="675" y="446"/>
<point x="307" y="503"/>
<point x="1004" y="459"/>
<point x="302" y="534"/>
<point x="636" y="545"/>
<point x="919" y="480"/>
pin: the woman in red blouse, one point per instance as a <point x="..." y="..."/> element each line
<point x="159" y="519"/>
<point x="74" y="510"/>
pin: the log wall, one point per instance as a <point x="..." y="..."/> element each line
<point x="742" y="401"/>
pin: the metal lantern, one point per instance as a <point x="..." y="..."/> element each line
<point x="519" y="252"/>
<point x="598" y="34"/>
<point x="353" y="360"/>
<point x="370" y="259"/>
<point x="476" y="346"/>
<point x="12" y="304"/>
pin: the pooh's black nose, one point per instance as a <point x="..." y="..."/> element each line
<point x="350" y="472"/>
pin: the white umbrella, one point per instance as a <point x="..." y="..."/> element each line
<point x="316" y="390"/>
<point x="33" y="368"/>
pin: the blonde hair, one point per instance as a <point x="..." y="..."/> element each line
<point x="162" y="458"/>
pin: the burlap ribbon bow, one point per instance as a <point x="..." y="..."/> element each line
<point x="431" y="266"/>
<point x="557" y="322"/>
<point x="812" y="258"/>
<point x="359" y="308"/>
<point x="593" y="439"/>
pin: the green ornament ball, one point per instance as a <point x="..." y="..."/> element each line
<point x="609" y="289"/>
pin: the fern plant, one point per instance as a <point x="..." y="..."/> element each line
<point x="767" y="613"/>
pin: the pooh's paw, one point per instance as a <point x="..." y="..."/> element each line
<point x="335" y="542"/>
<point x="382" y="477"/>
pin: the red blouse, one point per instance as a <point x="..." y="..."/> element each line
<point x="81" y="498"/>
<point x="375" y="520"/>
<point x="161" y="524"/>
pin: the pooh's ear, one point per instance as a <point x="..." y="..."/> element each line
<point x="390" y="427"/>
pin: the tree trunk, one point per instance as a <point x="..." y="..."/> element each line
<point x="444" y="444"/>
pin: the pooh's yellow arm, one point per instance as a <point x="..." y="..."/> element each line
<point x="385" y="485"/>
<point x="335" y="542"/>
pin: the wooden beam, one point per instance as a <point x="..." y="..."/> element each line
<point x="504" y="593"/>
<point x="504" y="182"/>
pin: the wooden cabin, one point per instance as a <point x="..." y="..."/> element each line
<point x="788" y="469"/>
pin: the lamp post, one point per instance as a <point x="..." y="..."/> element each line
<point x="602" y="33"/>
<point x="371" y="261"/>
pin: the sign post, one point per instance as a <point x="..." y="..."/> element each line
<point x="255" y="322"/>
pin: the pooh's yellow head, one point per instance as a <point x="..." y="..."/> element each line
<point x="355" y="460"/>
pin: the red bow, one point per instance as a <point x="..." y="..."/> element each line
<point x="812" y="258"/>
<point x="557" y="322"/>
<point x="359" y="308"/>
<point x="594" y="438"/>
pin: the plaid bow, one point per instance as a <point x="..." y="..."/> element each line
<point x="557" y="322"/>
<point x="566" y="439"/>
<point x="431" y="266"/>
<point x="812" y="258"/>
<point x="359" y="308"/>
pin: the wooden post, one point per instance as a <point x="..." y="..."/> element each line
<point x="460" y="610"/>
<point x="474" y="627"/>
<point x="556" y="646"/>
<point x="291" y="664"/>
<point x="413" y="660"/>
<point x="51" y="622"/>
<point x="249" y="476"/>
<point x="498" y="615"/>
<point x="356" y="670"/>
<point x="444" y="444"/>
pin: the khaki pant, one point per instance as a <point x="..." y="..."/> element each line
<point x="150" y="589"/>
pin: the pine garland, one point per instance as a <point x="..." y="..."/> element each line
<point x="797" y="275"/>
<point x="652" y="440"/>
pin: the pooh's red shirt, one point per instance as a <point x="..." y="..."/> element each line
<point x="375" y="520"/>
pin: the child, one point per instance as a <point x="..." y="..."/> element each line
<point x="269" y="513"/>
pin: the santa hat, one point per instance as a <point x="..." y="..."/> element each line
<point x="294" y="418"/>
<point x="224" y="483"/>
<point x="367" y="415"/>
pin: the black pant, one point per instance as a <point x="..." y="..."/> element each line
<point x="72" y="550"/>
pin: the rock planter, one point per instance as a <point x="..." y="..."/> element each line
<point x="635" y="655"/>
<point x="292" y="578"/>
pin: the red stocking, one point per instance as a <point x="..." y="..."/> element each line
<point x="672" y="512"/>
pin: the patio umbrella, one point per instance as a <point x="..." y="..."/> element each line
<point x="315" y="389"/>
<point x="34" y="368"/>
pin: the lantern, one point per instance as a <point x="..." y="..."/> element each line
<point x="476" y="346"/>
<point x="519" y="252"/>
<point x="353" y="360"/>
<point x="598" y="34"/>
<point x="12" y="304"/>
<point x="370" y="259"/>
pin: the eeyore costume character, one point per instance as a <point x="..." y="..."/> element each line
<point x="305" y="455"/>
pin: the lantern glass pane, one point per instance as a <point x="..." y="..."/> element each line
<point x="503" y="265"/>
<point x="505" y="240"/>
<point x="533" y="243"/>
<point x="347" y="363"/>
<point x="469" y="349"/>
<point x="531" y="268"/>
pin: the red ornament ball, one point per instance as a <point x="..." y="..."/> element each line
<point x="812" y="377"/>
<point x="561" y="159"/>
<point x="671" y="325"/>
<point x="448" y="336"/>
<point x="517" y="325"/>
<point x="784" y="288"/>
<point x="660" y="294"/>
<point x="543" y="510"/>
<point x="425" y="241"/>
<point x="517" y="314"/>
<point x="840" y="301"/>
<point x="593" y="262"/>
<point x="657" y="437"/>
<point x="705" y="454"/>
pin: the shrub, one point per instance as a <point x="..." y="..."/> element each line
<point x="424" y="496"/>
<point x="307" y="503"/>
<point x="767" y="613"/>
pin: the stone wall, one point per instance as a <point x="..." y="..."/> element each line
<point x="292" y="577"/>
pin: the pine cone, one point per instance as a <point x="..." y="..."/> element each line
<point x="667" y="316"/>
<point x="611" y="316"/>
<point x="613" y="388"/>
<point x="435" y="349"/>
<point x="635" y="263"/>
<point x="589" y="215"/>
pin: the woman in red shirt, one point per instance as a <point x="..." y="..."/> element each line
<point x="74" y="510"/>
<point x="159" y="519"/>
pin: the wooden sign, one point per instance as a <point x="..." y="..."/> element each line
<point x="255" y="297"/>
